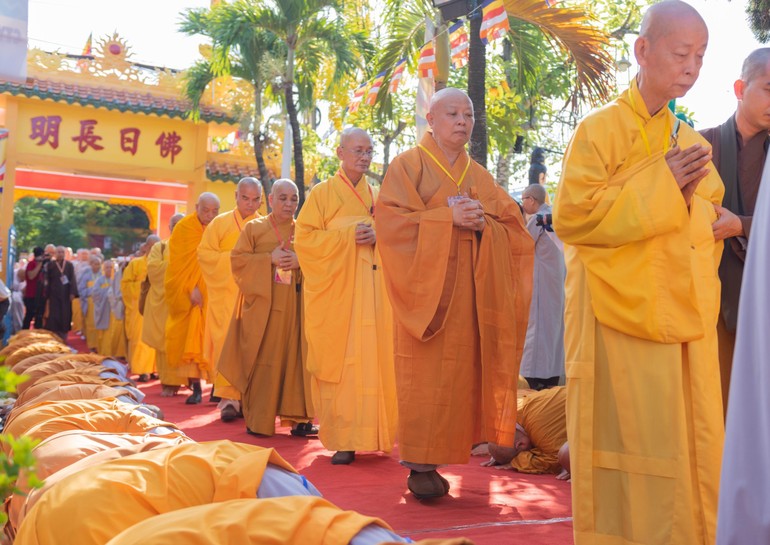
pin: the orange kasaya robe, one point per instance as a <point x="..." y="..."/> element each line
<point x="218" y="240"/>
<point x="66" y="453"/>
<point x="292" y="520"/>
<point x="124" y="492"/>
<point x="66" y="377"/>
<point x="33" y="349"/>
<point x="543" y="416"/>
<point x="26" y="363"/>
<point x="263" y="355"/>
<point x="185" y="321"/>
<point x="460" y="301"/>
<point x="82" y="362"/>
<point x="65" y="391"/>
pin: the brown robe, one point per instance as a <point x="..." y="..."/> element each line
<point x="460" y="301"/>
<point x="263" y="355"/>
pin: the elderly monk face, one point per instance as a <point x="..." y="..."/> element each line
<point x="95" y="264"/>
<point x="451" y="118"/>
<point x="355" y="153"/>
<point x="284" y="200"/>
<point x="248" y="197"/>
<point x="83" y="255"/>
<point x="50" y="251"/>
<point x="207" y="209"/>
<point x="59" y="253"/>
<point x="754" y="95"/>
<point x="671" y="53"/>
<point x="107" y="269"/>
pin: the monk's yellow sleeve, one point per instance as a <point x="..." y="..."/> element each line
<point x="535" y="461"/>
<point x="599" y="207"/>
<point x="251" y="269"/>
<point x="156" y="267"/>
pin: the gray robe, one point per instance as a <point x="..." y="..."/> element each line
<point x="543" y="355"/>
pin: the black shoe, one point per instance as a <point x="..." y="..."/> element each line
<point x="343" y="457"/>
<point x="154" y="376"/>
<point x="197" y="395"/>
<point x="214" y="399"/>
<point x="305" y="429"/>
<point x="144" y="377"/>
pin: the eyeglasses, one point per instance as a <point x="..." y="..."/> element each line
<point x="361" y="152"/>
<point x="527" y="197"/>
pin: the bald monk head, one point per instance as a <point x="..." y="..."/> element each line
<point x="108" y="268"/>
<point x="173" y="221"/>
<point x="95" y="262"/>
<point x="148" y="244"/>
<point x="451" y="118"/>
<point x="248" y="196"/>
<point x="284" y="198"/>
<point x="50" y="250"/>
<point x="532" y="198"/>
<point x="753" y="113"/>
<point x="669" y="50"/>
<point x="355" y="152"/>
<point x="504" y="455"/>
<point x="60" y="253"/>
<point x="207" y="207"/>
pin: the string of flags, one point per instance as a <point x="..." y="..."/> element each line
<point x="494" y="25"/>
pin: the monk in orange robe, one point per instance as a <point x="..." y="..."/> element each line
<point x="70" y="377"/>
<point x="141" y="357"/>
<point x="26" y="363"/>
<point x="186" y="297"/>
<point x="123" y="492"/>
<point x="263" y="355"/>
<point x="219" y="238"/>
<point x="64" y="391"/>
<point x="458" y="261"/>
<point x="66" y="453"/>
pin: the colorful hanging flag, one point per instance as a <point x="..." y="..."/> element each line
<point x="426" y="64"/>
<point x="371" y="96"/>
<point x="494" y="21"/>
<point x="458" y="43"/>
<point x="83" y="63"/>
<point x="358" y="94"/>
<point x="398" y="73"/>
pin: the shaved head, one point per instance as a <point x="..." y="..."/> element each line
<point x="351" y="133"/>
<point x="248" y="196"/>
<point x="207" y="207"/>
<point x="281" y="184"/>
<point x="666" y="17"/>
<point x="449" y="93"/>
<point x="249" y="182"/>
<point x="355" y="152"/>
<point x="536" y="191"/>
<point x="284" y="199"/>
<point x="755" y="64"/>
<point x="174" y="220"/>
<point x="152" y="239"/>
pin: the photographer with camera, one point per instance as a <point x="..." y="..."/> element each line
<point x="33" y="291"/>
<point x="542" y="362"/>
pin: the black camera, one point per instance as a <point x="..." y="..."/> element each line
<point x="545" y="221"/>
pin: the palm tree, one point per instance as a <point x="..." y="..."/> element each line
<point x="759" y="18"/>
<point x="312" y="33"/>
<point x="566" y="29"/>
<point x="239" y="50"/>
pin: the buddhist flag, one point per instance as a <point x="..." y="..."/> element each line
<point x="458" y="42"/>
<point x="494" y="21"/>
<point x="426" y="64"/>
<point x="371" y="96"/>
<point x="358" y="94"/>
<point x="398" y="73"/>
<point x="83" y="63"/>
<point x="550" y="3"/>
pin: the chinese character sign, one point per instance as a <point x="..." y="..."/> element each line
<point x="75" y="132"/>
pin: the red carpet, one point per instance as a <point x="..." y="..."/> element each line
<point x="489" y="506"/>
<point x="486" y="505"/>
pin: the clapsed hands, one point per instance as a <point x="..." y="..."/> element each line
<point x="727" y="224"/>
<point x="688" y="167"/>
<point x="468" y="213"/>
<point x="365" y="235"/>
<point x="284" y="259"/>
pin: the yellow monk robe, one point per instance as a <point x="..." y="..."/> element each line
<point x="123" y="492"/>
<point x="62" y="363"/>
<point x="542" y="415"/>
<point x="40" y="347"/>
<point x="185" y="322"/>
<point x="141" y="357"/>
<point x="26" y="363"/>
<point x="64" y="391"/>
<point x="66" y="453"/>
<point x="78" y="322"/>
<point x="644" y="407"/>
<point x="460" y="301"/>
<point x="348" y="320"/>
<point x="19" y="421"/>
<point x="263" y="356"/>
<point x="67" y="377"/>
<point x="293" y="520"/>
<point x="218" y="240"/>
<point x="93" y="336"/>
<point x="156" y="313"/>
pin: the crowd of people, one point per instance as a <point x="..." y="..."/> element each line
<point x="438" y="312"/>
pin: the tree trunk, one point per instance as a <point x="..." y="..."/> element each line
<point x="503" y="173"/>
<point x="477" y="88"/>
<point x="259" y="143"/>
<point x="296" y="134"/>
<point x="386" y="142"/>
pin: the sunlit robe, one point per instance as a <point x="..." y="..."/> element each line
<point x="64" y="391"/>
<point x="542" y="415"/>
<point x="156" y="313"/>
<point x="185" y="321"/>
<point x="141" y="357"/>
<point x="98" y="317"/>
<point x="644" y="407"/>
<point x="460" y="301"/>
<point x="123" y="492"/>
<point x="114" y="342"/>
<point x="263" y="355"/>
<point x="348" y="320"/>
<point x="218" y="240"/>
